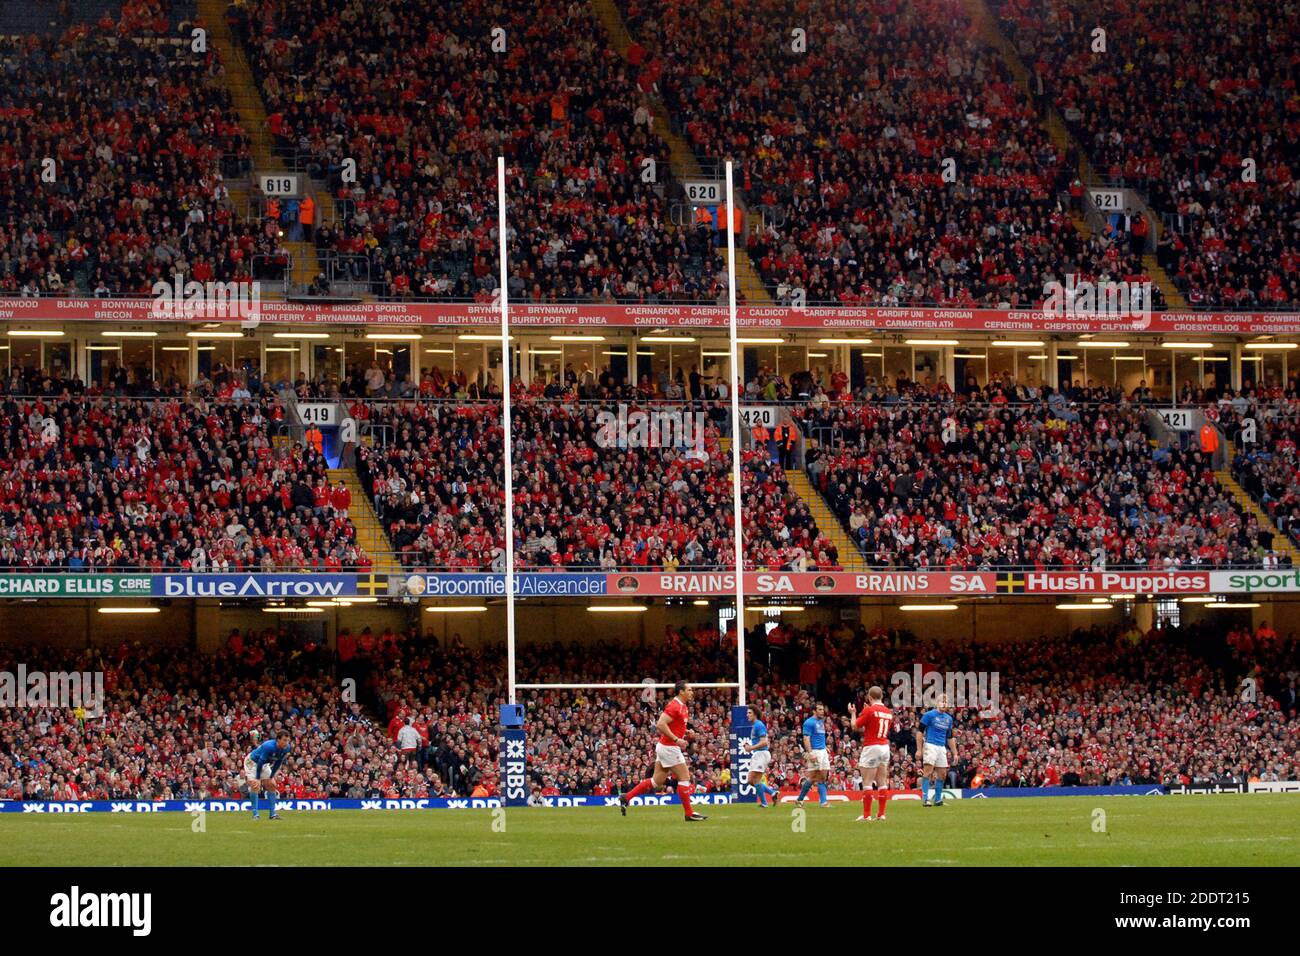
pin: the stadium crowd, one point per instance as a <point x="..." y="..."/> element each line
<point x="114" y="148"/>
<point x="1104" y="706"/>
<point x="582" y="499"/>
<point x="1193" y="105"/>
<point x="93" y="483"/>
<point x="840" y="145"/>
<point x="419" y="104"/>
<point x="843" y="148"/>
<point x="1050" y="484"/>
<point x="1267" y="467"/>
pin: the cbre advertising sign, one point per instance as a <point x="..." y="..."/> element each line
<point x="75" y="585"/>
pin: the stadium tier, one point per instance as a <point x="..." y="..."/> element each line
<point x="911" y="482"/>
<point x="1107" y="706"/>
<point x="940" y="180"/>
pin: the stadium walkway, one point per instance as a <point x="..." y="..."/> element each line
<point x="370" y="533"/>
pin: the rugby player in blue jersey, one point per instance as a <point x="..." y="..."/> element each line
<point x="261" y="766"/>
<point x="818" y="760"/>
<point x="759" y="747"/>
<point x="933" y="738"/>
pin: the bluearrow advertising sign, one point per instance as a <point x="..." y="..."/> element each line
<point x="255" y="585"/>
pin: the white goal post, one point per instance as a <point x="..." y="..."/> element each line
<point x="513" y="749"/>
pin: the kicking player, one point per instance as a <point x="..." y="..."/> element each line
<point x="874" y="722"/>
<point x="261" y="766"/>
<point x="669" y="761"/>
<point x="818" y="761"/>
<point x="933" y="739"/>
<point x="759" y="748"/>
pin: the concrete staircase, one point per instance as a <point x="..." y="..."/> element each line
<point x="370" y="533"/>
<point x="248" y="103"/>
<point x="1173" y="298"/>
<point x="850" y="557"/>
<point x="986" y="26"/>
<point x="749" y="284"/>
<point x="1281" y="543"/>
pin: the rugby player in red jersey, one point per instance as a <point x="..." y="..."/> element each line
<point x="669" y="760"/>
<point x="874" y="722"/>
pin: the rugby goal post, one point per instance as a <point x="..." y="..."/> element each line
<point x="514" y="746"/>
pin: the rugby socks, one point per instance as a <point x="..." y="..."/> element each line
<point x="804" y="788"/>
<point x="256" y="796"/>
<point x="773" y="792"/>
<point x="925" y="789"/>
<point x="684" y="794"/>
<point x="882" y="796"/>
<point x="822" y="797"/>
<point x="762" y="795"/>
<point x="645" y="786"/>
<point x="938" y="792"/>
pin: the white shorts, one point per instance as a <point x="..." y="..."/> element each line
<point x="935" y="756"/>
<point x="759" y="761"/>
<point x="818" y="760"/>
<point x="250" y="770"/>
<point x="877" y="755"/>
<point x="667" y="756"/>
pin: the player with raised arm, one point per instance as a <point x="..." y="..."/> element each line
<point x="933" y="739"/>
<point x="874" y="722"/>
<point x="669" y="760"/>
<point x="817" y="759"/>
<point x="261" y="766"/>
<point x="759" y="747"/>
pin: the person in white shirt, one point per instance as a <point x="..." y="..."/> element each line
<point x="409" y="741"/>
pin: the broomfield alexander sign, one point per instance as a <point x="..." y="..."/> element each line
<point x="591" y="584"/>
<point x="870" y="583"/>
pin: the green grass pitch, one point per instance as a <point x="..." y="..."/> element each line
<point x="1236" y="829"/>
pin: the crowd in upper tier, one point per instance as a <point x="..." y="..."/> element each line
<point x="1194" y="105"/>
<point x="419" y="99"/>
<point x="894" y="160"/>
<point x="1105" y="706"/>
<point x="115" y="145"/>
<point x="885" y="153"/>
